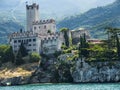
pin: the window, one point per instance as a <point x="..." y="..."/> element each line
<point x="19" y="41"/>
<point x="29" y="44"/>
<point x="34" y="40"/>
<point x="39" y="27"/>
<point x="15" y="41"/>
<point x="29" y="40"/>
<point x="34" y="28"/>
<point x="45" y="27"/>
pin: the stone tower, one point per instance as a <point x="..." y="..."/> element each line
<point x="32" y="13"/>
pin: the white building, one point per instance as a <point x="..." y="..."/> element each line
<point x="41" y="35"/>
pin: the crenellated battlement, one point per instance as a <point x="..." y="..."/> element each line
<point x="44" y="21"/>
<point x="23" y="34"/>
<point x="34" y="5"/>
<point x="50" y="38"/>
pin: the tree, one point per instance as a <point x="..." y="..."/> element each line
<point x="2" y="52"/>
<point x="113" y="34"/>
<point x="34" y="57"/>
<point x="19" y="59"/>
<point x="83" y="47"/>
<point x="6" y="54"/>
<point x="66" y="37"/>
<point x="23" y="50"/>
<point x="9" y="55"/>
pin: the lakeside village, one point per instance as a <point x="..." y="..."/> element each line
<point x="64" y="56"/>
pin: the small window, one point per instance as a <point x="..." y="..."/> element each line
<point x="34" y="40"/>
<point x="29" y="44"/>
<point x="34" y="28"/>
<point x="39" y="27"/>
<point x="29" y="40"/>
<point x="45" y="27"/>
<point x="19" y="41"/>
<point x="15" y="41"/>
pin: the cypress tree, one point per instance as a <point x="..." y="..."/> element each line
<point x="9" y="55"/>
<point x="19" y="59"/>
<point x="66" y="37"/>
<point x="83" y="46"/>
<point x="23" y="50"/>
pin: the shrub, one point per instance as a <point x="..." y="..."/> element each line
<point x="34" y="57"/>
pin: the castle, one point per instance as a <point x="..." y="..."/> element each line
<point x="41" y="35"/>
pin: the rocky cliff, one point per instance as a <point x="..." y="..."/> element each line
<point x="108" y="71"/>
<point x="61" y="70"/>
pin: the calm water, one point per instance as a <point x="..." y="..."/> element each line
<point x="65" y="87"/>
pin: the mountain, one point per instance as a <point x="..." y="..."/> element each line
<point x="12" y="16"/>
<point x="54" y="9"/>
<point x="6" y="28"/>
<point x="95" y="20"/>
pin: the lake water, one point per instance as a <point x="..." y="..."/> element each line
<point x="115" y="86"/>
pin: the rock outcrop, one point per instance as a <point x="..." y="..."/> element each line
<point x="14" y="81"/>
<point x="76" y="71"/>
<point x="96" y="72"/>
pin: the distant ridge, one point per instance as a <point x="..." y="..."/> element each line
<point x="95" y="19"/>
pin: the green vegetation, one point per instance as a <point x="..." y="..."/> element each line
<point x="23" y="50"/>
<point x="6" y="54"/>
<point x="113" y="37"/>
<point x="18" y="58"/>
<point x="83" y="47"/>
<point x="66" y="37"/>
<point x="95" y="20"/>
<point x="109" y="49"/>
<point x="34" y="57"/>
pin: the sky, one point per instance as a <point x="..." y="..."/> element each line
<point x="83" y="4"/>
<point x="56" y="7"/>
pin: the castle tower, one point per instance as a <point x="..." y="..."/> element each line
<point x="32" y="13"/>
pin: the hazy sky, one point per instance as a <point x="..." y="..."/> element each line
<point x="82" y="5"/>
<point x="56" y="7"/>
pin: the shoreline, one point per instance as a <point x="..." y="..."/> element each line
<point x="74" y="83"/>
